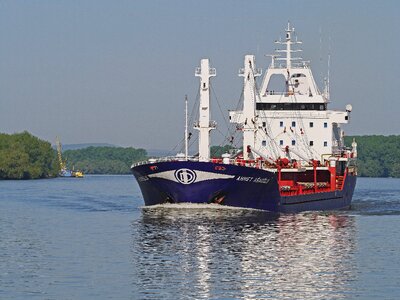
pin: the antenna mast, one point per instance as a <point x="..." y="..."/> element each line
<point x="186" y="128"/>
<point x="328" y="96"/>
<point x="327" y="78"/>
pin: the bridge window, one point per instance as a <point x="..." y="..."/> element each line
<point x="293" y="142"/>
<point x="311" y="143"/>
<point x="311" y="124"/>
<point x="290" y="106"/>
<point x="297" y="75"/>
<point x="325" y="144"/>
<point x="325" y="125"/>
<point x="280" y="124"/>
<point x="293" y="124"/>
<point x="276" y="84"/>
<point x="264" y="143"/>
<point x="281" y="142"/>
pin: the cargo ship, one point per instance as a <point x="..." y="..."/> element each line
<point x="292" y="156"/>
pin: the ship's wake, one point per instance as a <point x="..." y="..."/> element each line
<point x="194" y="206"/>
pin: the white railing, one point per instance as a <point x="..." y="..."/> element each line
<point x="256" y="72"/>
<point x="295" y="65"/>
<point x="164" y="159"/>
<point x="259" y="164"/>
<point x="236" y="162"/>
<point x="211" y="124"/>
<point x="211" y="71"/>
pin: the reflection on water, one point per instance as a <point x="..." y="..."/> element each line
<point x="190" y="252"/>
<point x="89" y="239"/>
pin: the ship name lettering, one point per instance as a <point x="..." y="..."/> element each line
<point x="244" y="178"/>
<point x="261" y="180"/>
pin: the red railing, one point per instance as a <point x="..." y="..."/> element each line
<point x="294" y="188"/>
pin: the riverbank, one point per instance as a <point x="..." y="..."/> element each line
<point x="24" y="156"/>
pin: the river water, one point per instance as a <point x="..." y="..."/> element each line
<point x="92" y="239"/>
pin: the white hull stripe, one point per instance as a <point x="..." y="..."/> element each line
<point x="187" y="176"/>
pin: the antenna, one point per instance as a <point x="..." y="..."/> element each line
<point x="327" y="83"/>
<point x="327" y="78"/>
<point x="186" y="128"/>
<point x="273" y="58"/>
<point x="320" y="55"/>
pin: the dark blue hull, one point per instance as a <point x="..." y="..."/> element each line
<point x="238" y="186"/>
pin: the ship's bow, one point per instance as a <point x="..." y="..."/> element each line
<point x="207" y="182"/>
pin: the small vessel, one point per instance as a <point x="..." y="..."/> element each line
<point x="64" y="172"/>
<point x="292" y="158"/>
<point x="77" y="174"/>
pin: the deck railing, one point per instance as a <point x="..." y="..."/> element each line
<point x="252" y="163"/>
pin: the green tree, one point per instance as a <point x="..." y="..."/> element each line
<point x="24" y="156"/>
<point x="217" y="151"/>
<point x="378" y="155"/>
<point x="104" y="160"/>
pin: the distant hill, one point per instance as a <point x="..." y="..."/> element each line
<point x="104" y="160"/>
<point x="378" y="156"/>
<point x="83" y="146"/>
<point x="150" y="152"/>
<point x="159" y="152"/>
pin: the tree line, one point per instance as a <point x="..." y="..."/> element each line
<point x="104" y="160"/>
<point x="24" y="156"/>
<point x="378" y="155"/>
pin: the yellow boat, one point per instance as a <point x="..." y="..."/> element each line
<point x="64" y="172"/>
<point x="77" y="174"/>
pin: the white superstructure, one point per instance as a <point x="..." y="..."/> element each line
<point x="287" y="116"/>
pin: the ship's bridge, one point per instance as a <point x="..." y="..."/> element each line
<point x="288" y="115"/>
<point x="294" y="82"/>
<point x="290" y="89"/>
<point x="288" y="83"/>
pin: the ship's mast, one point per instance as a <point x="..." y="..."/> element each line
<point x="186" y="129"/>
<point x="249" y="73"/>
<point x="204" y="125"/>
<point x="328" y="95"/>
<point x="288" y="48"/>
<point x="289" y="41"/>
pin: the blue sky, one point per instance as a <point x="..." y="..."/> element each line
<point x="118" y="71"/>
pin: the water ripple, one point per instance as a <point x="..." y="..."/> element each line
<point x="91" y="239"/>
<point x="225" y="253"/>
